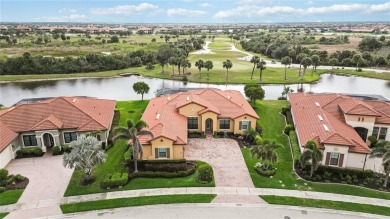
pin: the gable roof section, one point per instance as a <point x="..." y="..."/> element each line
<point x="312" y="121"/>
<point x="357" y="107"/>
<point x="50" y="122"/>
<point x="7" y="136"/>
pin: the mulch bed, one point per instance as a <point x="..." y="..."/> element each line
<point x="18" y="185"/>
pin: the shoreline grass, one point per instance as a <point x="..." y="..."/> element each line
<point x="136" y="201"/>
<point x="273" y="125"/>
<point x="10" y="196"/>
<point x="336" y="205"/>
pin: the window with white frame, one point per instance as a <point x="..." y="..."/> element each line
<point x="334" y="159"/>
<point x="379" y="133"/>
<point x="30" y="140"/>
<point x="70" y="136"/>
<point x="244" y="125"/>
<point x="162" y="153"/>
<point x="224" y="124"/>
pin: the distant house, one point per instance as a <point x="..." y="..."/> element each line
<point x="161" y="30"/>
<point x="341" y="125"/>
<point x="76" y="29"/>
<point x="146" y="30"/>
<point x="3" y="28"/>
<point x="170" y="118"/>
<point x="23" y="28"/>
<point x="52" y="122"/>
<point x="45" y="29"/>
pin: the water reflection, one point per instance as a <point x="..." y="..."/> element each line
<point x="122" y="88"/>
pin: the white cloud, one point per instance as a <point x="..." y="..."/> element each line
<point x="185" y="12"/>
<point x="126" y="9"/>
<point x="67" y="10"/>
<point x="309" y="2"/>
<point x="72" y="17"/>
<point x="206" y="4"/>
<point x="256" y="11"/>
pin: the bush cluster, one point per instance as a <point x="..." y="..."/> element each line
<point x="29" y="152"/>
<point x="66" y="148"/>
<point x="295" y="146"/>
<point x="2" y="189"/>
<point x="196" y="134"/>
<point x="149" y="174"/>
<point x="288" y="128"/>
<point x="205" y="173"/>
<point x="166" y="167"/>
<point x="6" y="179"/>
<point x="285" y="109"/>
<point x="141" y="163"/>
<point x="262" y="170"/>
<point x="56" y="150"/>
<point x="337" y="171"/>
<point x="115" y="180"/>
<point x="128" y="155"/>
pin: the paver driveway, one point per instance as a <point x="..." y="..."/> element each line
<point x="48" y="180"/>
<point x="224" y="156"/>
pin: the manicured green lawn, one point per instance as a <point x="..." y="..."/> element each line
<point x="138" y="201"/>
<point x="10" y="196"/>
<point x="345" y="206"/>
<point x="3" y="214"/>
<point x="115" y="161"/>
<point x="273" y="124"/>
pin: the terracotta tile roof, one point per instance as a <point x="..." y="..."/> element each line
<point x="7" y="136"/>
<point x="163" y="118"/>
<point x="357" y="107"/>
<point x="383" y="108"/>
<point x="316" y="121"/>
<point x="60" y="112"/>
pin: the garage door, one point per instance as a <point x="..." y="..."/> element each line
<point x="5" y="156"/>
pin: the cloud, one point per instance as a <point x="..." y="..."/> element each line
<point x="256" y="11"/>
<point x="67" y="10"/>
<point x="72" y="17"/>
<point x="309" y="2"/>
<point x="206" y="4"/>
<point x="126" y="9"/>
<point x="185" y="12"/>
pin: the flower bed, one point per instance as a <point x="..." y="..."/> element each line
<point x="9" y="182"/>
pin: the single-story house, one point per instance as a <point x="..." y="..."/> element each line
<point x="52" y="122"/>
<point x="170" y="118"/>
<point x="341" y="126"/>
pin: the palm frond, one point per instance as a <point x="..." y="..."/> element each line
<point x="121" y="130"/>
<point x="120" y="137"/>
<point x="130" y="123"/>
<point x="140" y="125"/>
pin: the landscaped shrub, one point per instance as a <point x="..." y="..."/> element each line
<point x="295" y="146"/>
<point x="2" y="189"/>
<point x="259" y="128"/>
<point x="66" y="148"/>
<point x="195" y="134"/>
<point x="150" y="174"/>
<point x="359" y="70"/>
<point x="56" y="150"/>
<point x="285" y="109"/>
<point x="265" y="168"/>
<point x="166" y="167"/>
<point x="115" y="180"/>
<point x="19" y="178"/>
<point x="373" y="140"/>
<point x="141" y="163"/>
<point x="29" y="152"/>
<point x="3" y="174"/>
<point x="205" y="173"/>
<point x="258" y="140"/>
<point x="128" y="155"/>
<point x="288" y="128"/>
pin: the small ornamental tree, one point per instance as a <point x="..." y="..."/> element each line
<point x="141" y="88"/>
<point x="254" y="92"/>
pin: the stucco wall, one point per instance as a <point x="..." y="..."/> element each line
<point x="336" y="149"/>
<point x="374" y="164"/>
<point x="356" y="161"/>
<point x="178" y="152"/>
<point x="6" y="156"/>
<point x="147" y="152"/>
<point x="243" y="118"/>
<point x="209" y="115"/>
<point x="368" y="123"/>
<point x="159" y="143"/>
<point x="191" y="109"/>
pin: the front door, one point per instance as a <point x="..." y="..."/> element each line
<point x="48" y="140"/>
<point x="209" y="125"/>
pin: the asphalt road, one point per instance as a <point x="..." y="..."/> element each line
<point x="223" y="211"/>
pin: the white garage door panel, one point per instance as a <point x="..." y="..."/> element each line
<point x="5" y="156"/>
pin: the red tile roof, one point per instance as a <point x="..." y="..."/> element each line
<point x="318" y="117"/>
<point x="357" y="107"/>
<point x="164" y="120"/>
<point x="83" y="114"/>
<point x="7" y="136"/>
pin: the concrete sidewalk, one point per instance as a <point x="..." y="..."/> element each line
<point x="194" y="190"/>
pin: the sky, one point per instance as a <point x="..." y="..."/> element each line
<point x="194" y="11"/>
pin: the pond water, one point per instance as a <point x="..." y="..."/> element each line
<point x="121" y="88"/>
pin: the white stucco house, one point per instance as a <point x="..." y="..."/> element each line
<point x="52" y="122"/>
<point x="341" y="126"/>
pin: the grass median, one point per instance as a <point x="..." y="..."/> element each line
<point x="336" y="205"/>
<point x="137" y="201"/>
<point x="10" y="196"/>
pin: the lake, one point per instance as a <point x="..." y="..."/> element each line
<point x="121" y="88"/>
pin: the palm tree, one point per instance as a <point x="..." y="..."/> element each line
<point x="200" y="65"/>
<point x="313" y="154"/>
<point x="286" y="61"/>
<point x="306" y="62"/>
<point x="382" y="149"/>
<point x="254" y="60"/>
<point x="172" y="61"/>
<point x="315" y="60"/>
<point x="286" y="90"/>
<point x="266" y="151"/>
<point x="186" y="65"/>
<point x="227" y="64"/>
<point x="208" y="65"/>
<point x="357" y="59"/>
<point x="261" y="65"/>
<point x="86" y="153"/>
<point x="131" y="133"/>
<point x="299" y="58"/>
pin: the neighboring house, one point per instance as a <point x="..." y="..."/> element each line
<point x="341" y="125"/>
<point x="23" y="28"/>
<point x="3" y="28"/>
<point x="52" y="122"/>
<point x="170" y="118"/>
<point x="46" y="29"/>
<point x="145" y="30"/>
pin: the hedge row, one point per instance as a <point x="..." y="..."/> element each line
<point x="150" y="174"/>
<point x="29" y="152"/>
<point x="115" y="180"/>
<point x="141" y="163"/>
<point x="166" y="167"/>
<point x="295" y="146"/>
<point x="337" y="171"/>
